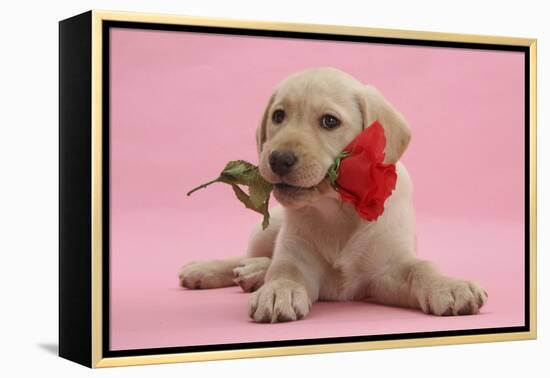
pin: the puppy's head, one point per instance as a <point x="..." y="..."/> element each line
<point x="309" y="119"/>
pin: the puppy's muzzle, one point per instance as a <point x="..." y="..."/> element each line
<point x="281" y="162"/>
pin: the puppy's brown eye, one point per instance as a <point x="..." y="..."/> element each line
<point x="278" y="116"/>
<point x="329" y="122"/>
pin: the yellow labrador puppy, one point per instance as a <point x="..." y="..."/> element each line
<point x="317" y="248"/>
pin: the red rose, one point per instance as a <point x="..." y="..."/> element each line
<point x="363" y="178"/>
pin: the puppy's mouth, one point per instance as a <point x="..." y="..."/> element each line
<point x="284" y="187"/>
<point x="284" y="191"/>
<point x="293" y="196"/>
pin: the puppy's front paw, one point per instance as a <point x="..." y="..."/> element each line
<point x="279" y="301"/>
<point x="206" y="275"/>
<point x="449" y="296"/>
<point x="250" y="275"/>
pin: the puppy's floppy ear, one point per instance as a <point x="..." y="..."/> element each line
<point x="261" y="130"/>
<point x="374" y="107"/>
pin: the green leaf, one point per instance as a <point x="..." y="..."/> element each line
<point x="265" y="211"/>
<point x="260" y="190"/>
<point x="244" y="198"/>
<point x="240" y="172"/>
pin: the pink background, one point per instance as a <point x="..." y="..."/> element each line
<point x="183" y="104"/>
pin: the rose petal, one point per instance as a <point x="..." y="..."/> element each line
<point x="372" y="139"/>
<point x="363" y="179"/>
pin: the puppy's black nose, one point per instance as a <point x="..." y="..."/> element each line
<point x="282" y="161"/>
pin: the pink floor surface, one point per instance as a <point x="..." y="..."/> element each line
<point x="183" y="104"/>
<point x="149" y="310"/>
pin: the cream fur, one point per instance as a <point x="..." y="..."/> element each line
<point x="317" y="248"/>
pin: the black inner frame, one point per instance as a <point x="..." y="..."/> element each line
<point x="107" y="25"/>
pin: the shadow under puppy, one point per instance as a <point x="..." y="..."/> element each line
<point x="316" y="247"/>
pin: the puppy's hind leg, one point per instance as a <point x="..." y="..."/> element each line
<point x="250" y="275"/>
<point x="209" y="274"/>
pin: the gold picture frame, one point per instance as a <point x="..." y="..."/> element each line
<point x="82" y="253"/>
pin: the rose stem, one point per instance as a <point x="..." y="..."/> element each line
<point x="202" y="186"/>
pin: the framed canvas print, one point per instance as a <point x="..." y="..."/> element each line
<point x="234" y="189"/>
